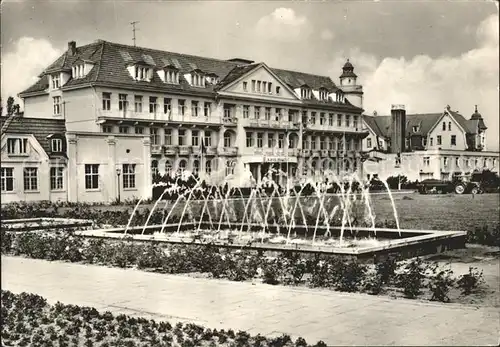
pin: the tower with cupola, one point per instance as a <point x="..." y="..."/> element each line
<point x="348" y="83"/>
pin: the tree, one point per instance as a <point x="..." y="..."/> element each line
<point x="11" y="107"/>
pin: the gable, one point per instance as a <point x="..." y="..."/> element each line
<point x="446" y="118"/>
<point x="261" y="83"/>
<point x="33" y="152"/>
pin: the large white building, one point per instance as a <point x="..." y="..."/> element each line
<point x="134" y="111"/>
<point x="422" y="146"/>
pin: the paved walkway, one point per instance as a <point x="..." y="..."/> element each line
<point x="336" y="318"/>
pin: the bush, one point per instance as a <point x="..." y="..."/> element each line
<point x="440" y="284"/>
<point x="469" y="282"/>
<point x="485" y="236"/>
<point x="411" y="279"/>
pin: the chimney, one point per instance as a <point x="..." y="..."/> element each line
<point x="72" y="48"/>
<point x="398" y="128"/>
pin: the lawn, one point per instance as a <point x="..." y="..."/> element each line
<point x="444" y="212"/>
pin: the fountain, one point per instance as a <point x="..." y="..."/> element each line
<point x="311" y="217"/>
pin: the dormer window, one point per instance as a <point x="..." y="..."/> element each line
<point x="212" y="78"/>
<point x="305" y="93"/>
<point x="56" y="81"/>
<point x="78" y="71"/>
<point x="323" y="94"/>
<point x="415" y="128"/>
<point x="56" y="145"/>
<point x="197" y="78"/>
<point x="140" y="71"/>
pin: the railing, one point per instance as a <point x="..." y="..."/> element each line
<point x="271" y="123"/>
<point x="161" y="116"/>
<point x="156" y="149"/>
<point x="170" y="149"/>
<point x="306" y="152"/>
<point x="231" y="121"/>
<point x="228" y="150"/>
<point x="324" y="153"/>
<point x="184" y="150"/>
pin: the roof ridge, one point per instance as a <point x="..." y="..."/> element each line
<point x="100" y="62"/>
<point x="304" y="73"/>
<point x="170" y="52"/>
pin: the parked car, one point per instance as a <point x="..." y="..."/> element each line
<point x="434" y="186"/>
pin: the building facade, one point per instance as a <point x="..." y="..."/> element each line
<point x="40" y="160"/>
<point x="229" y="121"/>
<point x="422" y="146"/>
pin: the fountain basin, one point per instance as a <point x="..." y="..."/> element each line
<point x="44" y="223"/>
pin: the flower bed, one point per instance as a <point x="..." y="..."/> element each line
<point x="413" y="279"/>
<point x="28" y="320"/>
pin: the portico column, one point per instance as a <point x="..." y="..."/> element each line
<point x="112" y="175"/>
<point x="147" y="184"/>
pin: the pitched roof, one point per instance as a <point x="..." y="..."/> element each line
<point x="111" y="60"/>
<point x="381" y="124"/>
<point x="41" y="128"/>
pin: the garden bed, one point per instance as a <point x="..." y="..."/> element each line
<point x="411" y="279"/>
<point x="28" y="320"/>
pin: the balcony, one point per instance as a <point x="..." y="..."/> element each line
<point x="324" y="153"/>
<point x="228" y="151"/>
<point x="184" y="150"/>
<point x="267" y="123"/>
<point x="315" y="153"/>
<point x="211" y="150"/>
<point x="170" y="150"/>
<point x="156" y="149"/>
<point x="333" y="153"/>
<point x="293" y="152"/>
<point x="306" y="152"/>
<point x="200" y="119"/>
<point x="229" y="121"/>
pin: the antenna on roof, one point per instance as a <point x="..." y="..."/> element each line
<point x="133" y="30"/>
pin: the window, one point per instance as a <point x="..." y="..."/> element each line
<point x="227" y="111"/>
<point x="264" y="87"/>
<point x="123" y="130"/>
<point x="305" y="144"/>
<point x="347" y="120"/>
<point x="206" y="109"/>
<point x="152" y="104"/>
<point x="245" y="86"/>
<point x="322" y="118"/>
<point x="246" y="111"/>
<point x="249" y="135"/>
<point x="258" y="86"/>
<point x="227" y="140"/>
<point x="312" y="120"/>
<point x="431" y="141"/>
<point x="168" y="137"/>
<point x="453" y="140"/>
<point x="253" y="85"/>
<point x="277" y="115"/>
<point x="56" y="145"/>
<point x="56" y="178"/>
<point x="91" y="176"/>
<point x="305" y="93"/>
<point x="230" y="167"/>
<point x="271" y="141"/>
<point x="196" y="167"/>
<point x="57" y="105"/>
<point x="30" y="179"/>
<point x="155" y="138"/>
<point x="208" y="138"/>
<point x="322" y="143"/>
<point x="195" y="138"/>
<point x="122" y="102"/>
<point x="268" y="113"/>
<point x="323" y="94"/>
<point x="444" y="125"/>
<point x="17" y="146"/>
<point x="142" y="73"/>
<point x="445" y="161"/>
<point x="330" y="119"/>
<point x="167" y="105"/>
<point x="424" y="142"/>
<point x="182" y="166"/>
<point x="278" y="90"/>
<point x="260" y="140"/>
<point x="138" y="103"/>
<point x="56" y="81"/>
<point x="449" y="126"/>
<point x="182" y="134"/>
<point x="270" y="88"/>
<point x="194" y="108"/>
<point x="168" y="168"/>
<point x="7" y="174"/>
<point x="256" y="112"/>
<point x="339" y="120"/>
<point x="427" y="161"/>
<point x="107" y="129"/>
<point x="439" y="140"/>
<point x="457" y="161"/>
<point x="154" y="168"/>
<point x="106" y="101"/>
<point x="182" y="107"/>
<point x="171" y="76"/>
<point x="208" y="167"/>
<point x="128" y="176"/>
<point x="355" y="122"/>
<point x="313" y="143"/>
<point x="139" y="130"/>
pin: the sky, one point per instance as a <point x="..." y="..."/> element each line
<point x="423" y="54"/>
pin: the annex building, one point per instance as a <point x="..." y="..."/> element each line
<point x="113" y="116"/>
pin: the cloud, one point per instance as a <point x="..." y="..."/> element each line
<point x="21" y="67"/>
<point x="327" y="35"/>
<point x="283" y="25"/>
<point x="426" y="84"/>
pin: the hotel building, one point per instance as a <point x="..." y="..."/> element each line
<point x="134" y="111"/>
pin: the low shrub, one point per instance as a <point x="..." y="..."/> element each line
<point x="470" y="281"/>
<point x="485" y="236"/>
<point x="411" y="278"/>
<point x="440" y="284"/>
